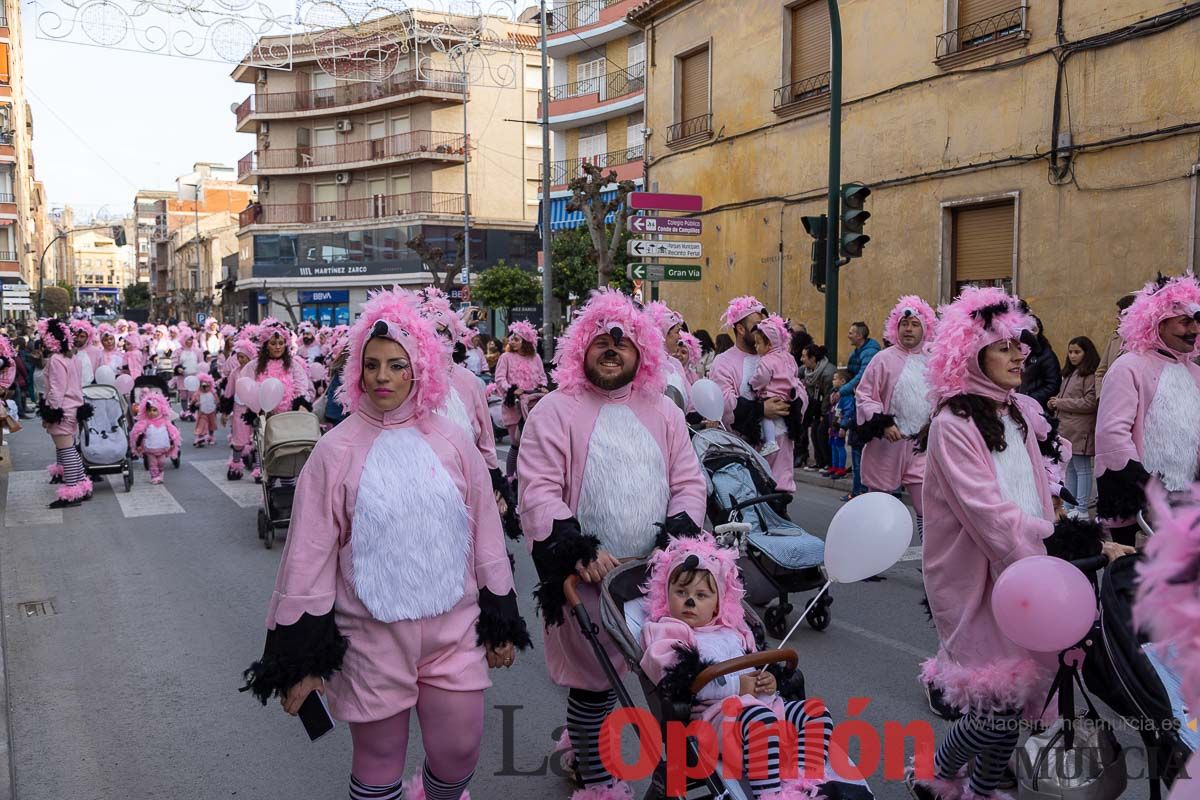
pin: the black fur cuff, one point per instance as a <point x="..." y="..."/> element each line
<point x="789" y="681"/>
<point x="312" y="646"/>
<point x="874" y="427"/>
<point x="675" y="526"/>
<point x="300" y="403"/>
<point x="554" y="558"/>
<point x="498" y="481"/>
<point x="510" y="397"/>
<point x="1051" y="446"/>
<point x="500" y="622"/>
<point x="50" y="415"/>
<point x="1122" y="494"/>
<point x="694" y="419"/>
<point x="1074" y="539"/>
<point x="84" y="412"/>
<point x="511" y="519"/>
<point x="747" y="421"/>
<point x="250" y="418"/>
<point x="226" y="405"/>
<point x="794" y="421"/>
<point x="676" y="684"/>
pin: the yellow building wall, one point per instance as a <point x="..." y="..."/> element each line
<point x="923" y="138"/>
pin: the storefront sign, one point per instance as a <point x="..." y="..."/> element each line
<point x="334" y="296"/>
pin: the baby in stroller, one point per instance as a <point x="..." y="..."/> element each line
<point x="695" y="619"/>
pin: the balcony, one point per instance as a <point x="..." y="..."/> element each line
<point x="431" y="84"/>
<point x="690" y="131"/>
<point x="397" y="149"/>
<point x="810" y="94"/>
<point x="1007" y="30"/>
<point x="380" y="206"/>
<point x="7" y="197"/>
<point x="627" y="163"/>
<point x="594" y="99"/>
<point x="581" y="25"/>
<point x="8" y="255"/>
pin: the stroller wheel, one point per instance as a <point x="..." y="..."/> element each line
<point x="127" y="474"/>
<point x="776" y="621"/>
<point x="263" y="524"/>
<point x="270" y="537"/>
<point x="818" y="619"/>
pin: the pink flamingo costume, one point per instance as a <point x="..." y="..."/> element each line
<point x="894" y="390"/>
<point x="61" y="410"/>
<point x="204" y="406"/>
<point x="667" y="321"/>
<point x="776" y="376"/>
<point x="241" y="434"/>
<point x="156" y="438"/>
<point x="394" y="576"/>
<point x="601" y="469"/>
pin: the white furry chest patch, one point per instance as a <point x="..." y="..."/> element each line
<point x="910" y="399"/>
<point x="1171" y="432"/>
<point x="455" y="410"/>
<point x="410" y="536"/>
<point x="749" y="366"/>
<point x="625" y="491"/>
<point x="1015" y="472"/>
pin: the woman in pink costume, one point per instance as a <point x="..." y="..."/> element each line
<point x="690" y="356"/>
<point x="276" y="359"/>
<point x="893" y="404"/>
<point x="135" y="359"/>
<point x="188" y="360"/>
<point x="153" y="435"/>
<point x="111" y="355"/>
<point x="777" y="376"/>
<point x="241" y="434"/>
<point x="519" y="373"/>
<point x="395" y="589"/>
<point x="606" y="471"/>
<point x="670" y="323"/>
<point x="61" y="410"/>
<point x="988" y="503"/>
<point x="86" y="349"/>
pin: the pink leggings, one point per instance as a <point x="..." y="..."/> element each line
<point x="157" y="458"/>
<point x="206" y="424"/>
<point x="451" y="730"/>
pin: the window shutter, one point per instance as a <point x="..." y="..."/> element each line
<point x="972" y="11"/>
<point x="694" y="86"/>
<point x="983" y="243"/>
<point x="810" y="40"/>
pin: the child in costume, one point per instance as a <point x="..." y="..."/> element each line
<point x="395" y="589"/>
<point x="154" y="435"/>
<point x="777" y="376"/>
<point x="695" y="619"/>
<point x="204" y="407"/>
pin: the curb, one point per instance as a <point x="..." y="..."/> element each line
<point x="8" y="774"/>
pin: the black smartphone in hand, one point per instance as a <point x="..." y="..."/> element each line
<point x="314" y="714"/>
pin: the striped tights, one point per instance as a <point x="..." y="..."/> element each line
<point x="585" y="715"/>
<point x="988" y="737"/>
<point x="72" y="464"/>
<point x="760" y="760"/>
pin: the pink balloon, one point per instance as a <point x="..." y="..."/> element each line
<point x="1044" y="604"/>
<point x="270" y="393"/>
<point x="247" y="392"/>
<point x="124" y="384"/>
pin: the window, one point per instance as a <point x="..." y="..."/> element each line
<point x="324" y="89"/>
<point x="989" y="25"/>
<point x="634" y="139"/>
<point x="809" y="53"/>
<point x="401" y="122"/>
<point x="693" y="85"/>
<point x="533" y="77"/>
<point x="401" y="183"/>
<point x="377" y="129"/>
<point x="4" y="68"/>
<point x="323" y="137"/>
<point x="593" y="143"/>
<point x="983" y="252"/>
<point x="637" y="53"/>
<point x="325" y="193"/>
<point x="589" y="75"/>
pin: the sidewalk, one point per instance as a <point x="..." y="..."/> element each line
<point x="842" y="485"/>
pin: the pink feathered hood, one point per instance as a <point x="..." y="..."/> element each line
<point x="663" y="316"/>
<point x="523" y="330"/>
<point x="776" y="329"/>
<point x="246" y="347"/>
<point x="720" y="561"/>
<point x="435" y="306"/>
<point x="77" y="325"/>
<point x="56" y="337"/>
<point x="268" y="329"/>
<point x="976" y="319"/>
<point x="1157" y="301"/>
<point x="608" y="309"/>
<point x="397" y="311"/>
<point x="692" y="345"/>
<point x="740" y="308"/>
<point x="910" y="305"/>
<point x="163" y="419"/>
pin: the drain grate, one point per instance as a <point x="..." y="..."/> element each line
<point x="37" y="608"/>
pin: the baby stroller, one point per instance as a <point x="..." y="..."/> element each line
<point x="623" y="613"/>
<point x="103" y="440"/>
<point x="779" y="557"/>
<point x="165" y="370"/>
<point x="144" y="383"/>
<point x="283" y="442"/>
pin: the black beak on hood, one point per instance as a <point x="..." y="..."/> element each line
<point x="1028" y="337"/>
<point x="380" y="328"/>
<point x="691" y="563"/>
<point x="617" y="335"/>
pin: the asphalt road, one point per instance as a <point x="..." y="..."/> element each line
<point x="123" y="682"/>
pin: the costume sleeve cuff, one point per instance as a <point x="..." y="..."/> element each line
<point x="1074" y="539"/>
<point x="250" y="418"/>
<point x="500" y="621"/>
<point x="789" y="681"/>
<point x="875" y="426"/>
<point x="554" y="558"/>
<point x="84" y="412"/>
<point x="311" y="646"/>
<point x="1122" y="493"/>
<point x="50" y="415"/>
<point x="747" y="420"/>
<point x="676" y="683"/>
<point x="674" y="527"/>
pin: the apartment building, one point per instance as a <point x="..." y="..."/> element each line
<point x="597" y="95"/>
<point x="349" y="170"/>
<point x="19" y="222"/>
<point x="101" y="269"/>
<point x="991" y="162"/>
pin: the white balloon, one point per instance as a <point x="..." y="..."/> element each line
<point x="270" y="392"/>
<point x="191" y="383"/>
<point x="708" y="399"/>
<point x="867" y="536"/>
<point x="105" y="375"/>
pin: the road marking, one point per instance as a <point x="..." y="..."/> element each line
<point x="879" y="638"/>
<point x="146" y="499"/>
<point x="29" y="491"/>
<point x="246" y="493"/>
<point x="912" y="554"/>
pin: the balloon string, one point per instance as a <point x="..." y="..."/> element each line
<point x="801" y="618"/>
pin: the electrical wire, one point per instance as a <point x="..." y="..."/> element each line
<point x="81" y="139"/>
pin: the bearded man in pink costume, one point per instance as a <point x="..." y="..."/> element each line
<point x="732" y="371"/>
<point x="1148" y="422"/>
<point x="395" y="589"/>
<point x="893" y="404"/>
<point x="605" y="463"/>
<point x="988" y="499"/>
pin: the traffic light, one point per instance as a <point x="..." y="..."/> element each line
<point x="854" y="196"/>
<point x="118" y="235"/>
<point x="818" y="228"/>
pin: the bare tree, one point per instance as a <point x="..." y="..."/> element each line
<point x="587" y="196"/>
<point x="282" y="299"/>
<point x="434" y="259"/>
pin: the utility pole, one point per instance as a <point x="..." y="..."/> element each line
<point x="466" y="181"/>
<point x="832" y="250"/>
<point x="547" y="271"/>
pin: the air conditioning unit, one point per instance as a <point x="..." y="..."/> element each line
<point x="343" y="178"/>
<point x="344" y="125"/>
<point x="264" y="185"/>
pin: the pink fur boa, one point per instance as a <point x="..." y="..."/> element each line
<point x="1156" y="302"/>
<point x="606" y="310"/>
<point x="276" y="369"/>
<point x="75" y="491"/>
<point x="1005" y="684"/>
<point x="663" y="316"/>
<point x="524" y="372"/>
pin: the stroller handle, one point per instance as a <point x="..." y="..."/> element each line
<point x="1091" y="564"/>
<point x="764" y="498"/>
<point x="748" y="661"/>
<point x="571" y="591"/>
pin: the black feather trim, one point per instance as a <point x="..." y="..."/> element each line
<point x="498" y="481"/>
<point x="747" y="421"/>
<point x="1051" y="446"/>
<point x="1122" y="494"/>
<point x="300" y="403"/>
<point x="49" y="415"/>
<point x="512" y="517"/>
<point x="312" y="646"/>
<point x="250" y="418"/>
<point x="460" y="353"/>
<point x="789" y="681"/>
<point x="875" y="426"/>
<point x="84" y="412"/>
<point x="1074" y="539"/>
<point x="675" y="526"/>
<point x="676" y="684"/>
<point x="988" y="312"/>
<point x="694" y="419"/>
<point x="500" y="622"/>
<point x="794" y="421"/>
<point x="226" y="405"/>
<point x="510" y="397"/>
<point x="925" y="605"/>
<point x="554" y="558"/>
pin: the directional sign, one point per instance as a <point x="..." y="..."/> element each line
<point x="645" y="272"/>
<point x="685" y="226"/>
<point x="681" y="272"/>
<point x="647" y="249"/>
<point x="655" y="201"/>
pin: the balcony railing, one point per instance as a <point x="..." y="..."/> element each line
<point x="375" y="207"/>
<point x="563" y="171"/>
<point x="400" y="145"/>
<point x="3" y="20"/>
<point x="6" y="137"/>
<point x="8" y="255"/>
<point x="346" y="94"/>
<point x="609" y="86"/>
<point x="986" y="31"/>
<point x="579" y="14"/>
<point x="802" y="91"/>
<point x="694" y="128"/>
<point x="7" y="197"/>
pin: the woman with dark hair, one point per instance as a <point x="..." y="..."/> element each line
<point x="276" y="359"/>
<point x="1040" y="377"/>
<point x="818" y="381"/>
<point x="724" y="342"/>
<point x="708" y="351"/>
<point x="801" y="340"/>
<point x="1075" y="405"/>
